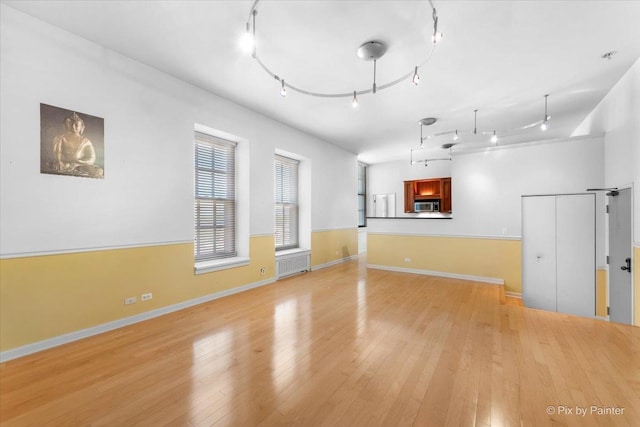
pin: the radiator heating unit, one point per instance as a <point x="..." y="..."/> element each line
<point x="293" y="263"/>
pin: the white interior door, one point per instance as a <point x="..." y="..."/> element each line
<point x="576" y="254"/>
<point x="539" y="252"/>
<point x="620" y="289"/>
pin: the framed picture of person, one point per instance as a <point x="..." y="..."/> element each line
<point x="71" y="143"/>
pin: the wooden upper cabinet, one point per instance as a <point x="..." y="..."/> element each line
<point x="428" y="189"/>
<point x="408" y="196"/>
<point x="445" y="204"/>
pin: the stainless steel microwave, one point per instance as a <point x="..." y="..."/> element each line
<point x="433" y="206"/>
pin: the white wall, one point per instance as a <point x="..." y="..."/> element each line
<point x="147" y="194"/>
<point x="618" y="117"/>
<point x="487" y="186"/>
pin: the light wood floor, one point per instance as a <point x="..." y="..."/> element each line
<point x="340" y="346"/>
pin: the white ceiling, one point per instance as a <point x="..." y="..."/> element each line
<point x="500" y="57"/>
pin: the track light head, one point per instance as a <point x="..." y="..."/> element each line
<point x="246" y="42"/>
<point x="437" y="36"/>
<point x="544" y="126"/>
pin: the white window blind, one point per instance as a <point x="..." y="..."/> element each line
<point x="286" y="203"/>
<point x="362" y="195"/>
<point x="215" y="201"/>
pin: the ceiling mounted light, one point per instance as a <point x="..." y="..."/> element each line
<point x="283" y="91"/>
<point x="246" y="42"/>
<point x="425" y="161"/>
<point x="544" y="126"/>
<point x="494" y="138"/>
<point x="427" y="121"/>
<point x="475" y="122"/>
<point x="354" y="102"/>
<point x="372" y="51"/>
<point x="437" y="36"/>
<point x="248" y="38"/>
<point x="608" y="55"/>
<point x="456" y="134"/>
<point x="369" y="51"/>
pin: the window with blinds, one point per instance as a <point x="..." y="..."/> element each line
<point x="362" y="195"/>
<point x="215" y="201"/>
<point x="286" y="203"/>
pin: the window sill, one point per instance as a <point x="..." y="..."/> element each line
<point x="221" y="264"/>
<point x="280" y="255"/>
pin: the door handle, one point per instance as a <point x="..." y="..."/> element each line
<point x="628" y="266"/>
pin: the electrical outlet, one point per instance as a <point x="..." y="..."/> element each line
<point x="407" y="260"/>
<point x="146" y="297"/>
<point x="263" y="271"/>
<point x="130" y="300"/>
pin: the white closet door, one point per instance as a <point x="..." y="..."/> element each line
<point x="539" y="252"/>
<point x="575" y="254"/>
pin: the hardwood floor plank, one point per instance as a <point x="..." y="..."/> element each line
<point x="339" y="346"/>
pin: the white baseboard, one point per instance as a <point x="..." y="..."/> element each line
<point x="513" y="294"/>
<point x="109" y="326"/>
<point x="491" y="280"/>
<point x="334" y="262"/>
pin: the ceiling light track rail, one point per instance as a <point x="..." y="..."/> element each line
<point x="371" y="50"/>
<point x="458" y="136"/>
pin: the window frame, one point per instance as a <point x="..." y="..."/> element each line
<point x="225" y="197"/>
<point x="362" y="195"/>
<point x="290" y="202"/>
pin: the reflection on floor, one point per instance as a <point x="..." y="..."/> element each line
<point x="339" y="346"/>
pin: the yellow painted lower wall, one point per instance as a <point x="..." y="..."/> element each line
<point x="46" y="296"/>
<point x="493" y="258"/>
<point x="636" y="286"/>
<point x="490" y="258"/>
<point x="601" y="292"/>
<point x="333" y="245"/>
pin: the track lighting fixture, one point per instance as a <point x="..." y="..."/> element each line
<point x="374" y="75"/>
<point x="247" y="42"/>
<point x="283" y="90"/>
<point x="475" y="122"/>
<point x="427" y="121"/>
<point x="369" y="51"/>
<point x="437" y="36"/>
<point x="456" y="134"/>
<point x="425" y="161"/>
<point x="544" y="126"/>
<point x="354" y="102"/>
